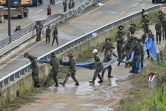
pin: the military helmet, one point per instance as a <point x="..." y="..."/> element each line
<point x="160" y="12"/>
<point x="121" y="26"/>
<point x="107" y="39"/>
<point x="25" y="54"/>
<point x="133" y="24"/>
<point x="70" y="55"/>
<point x="146" y="16"/>
<point x="52" y="54"/>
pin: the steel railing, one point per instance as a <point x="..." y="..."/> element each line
<point x="29" y="32"/>
<point x="22" y="71"/>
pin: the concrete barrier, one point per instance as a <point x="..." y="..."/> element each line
<point x="22" y="85"/>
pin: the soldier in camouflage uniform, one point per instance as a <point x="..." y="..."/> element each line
<point x="72" y="70"/>
<point x="120" y="40"/>
<point x="38" y="28"/>
<point x="164" y="28"/>
<point x="137" y="55"/>
<point x="107" y="45"/>
<point x="141" y="45"/>
<point x="158" y="27"/>
<point x="35" y="69"/>
<point x="132" y="30"/>
<point x="54" y="62"/>
<point x="145" y="24"/>
<point x="107" y="58"/>
<point x="99" y="67"/>
<point x="160" y="16"/>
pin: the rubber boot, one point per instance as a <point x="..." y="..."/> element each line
<point x="75" y="80"/>
<point x="101" y="80"/>
<point x="92" y="82"/>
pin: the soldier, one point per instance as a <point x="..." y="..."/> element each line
<point x="99" y="67"/>
<point x="150" y="35"/>
<point x="54" y="62"/>
<point x="72" y="70"/>
<point x="55" y="36"/>
<point x="120" y="40"/>
<point x="73" y="3"/>
<point x="35" y="69"/>
<point x="132" y="30"/>
<point x="107" y="58"/>
<point x="143" y="13"/>
<point x="48" y="32"/>
<point x="142" y="51"/>
<point x="145" y="24"/>
<point x="70" y="4"/>
<point x="160" y="16"/>
<point x="38" y="28"/>
<point x="65" y="5"/>
<point x="137" y="55"/>
<point x="144" y="37"/>
<point x="164" y="28"/>
<point x="158" y="31"/>
<point x="107" y="45"/>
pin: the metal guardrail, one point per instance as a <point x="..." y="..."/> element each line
<point x="22" y="71"/>
<point x="19" y="36"/>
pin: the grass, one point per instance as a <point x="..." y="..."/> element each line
<point x="142" y="98"/>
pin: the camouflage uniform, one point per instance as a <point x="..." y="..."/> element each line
<point x="54" y="62"/>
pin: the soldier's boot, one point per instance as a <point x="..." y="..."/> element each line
<point x="92" y="82"/>
<point x="101" y="80"/>
<point x="75" y="80"/>
<point x="118" y="63"/>
<point x="56" y="82"/>
<point x="103" y="71"/>
<point x="63" y="83"/>
<point x="109" y="74"/>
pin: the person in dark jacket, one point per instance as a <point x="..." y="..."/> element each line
<point x="160" y="16"/>
<point x="144" y="36"/>
<point x="164" y="28"/>
<point x="145" y="24"/>
<point x="54" y="62"/>
<point x="98" y="67"/>
<point x="141" y="45"/>
<point x="120" y="40"/>
<point x="70" y="4"/>
<point x="158" y="27"/>
<point x="107" y="58"/>
<point x="55" y="36"/>
<point x="107" y="45"/>
<point x="65" y="5"/>
<point x="72" y="70"/>
<point x="132" y="30"/>
<point x="35" y="69"/>
<point x="48" y="33"/>
<point x="150" y="35"/>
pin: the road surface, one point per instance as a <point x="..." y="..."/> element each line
<point x="35" y="13"/>
<point x="76" y="27"/>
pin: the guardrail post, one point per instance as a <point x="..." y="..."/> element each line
<point x="12" y="77"/>
<point x="17" y="75"/>
<point x="6" y="81"/>
<point x="1" y="84"/>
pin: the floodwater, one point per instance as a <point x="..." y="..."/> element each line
<point x="86" y="97"/>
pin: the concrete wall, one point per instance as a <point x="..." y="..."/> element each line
<point x="24" y="84"/>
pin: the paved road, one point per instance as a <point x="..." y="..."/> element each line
<point x="98" y="97"/>
<point x="77" y="27"/>
<point x="35" y="13"/>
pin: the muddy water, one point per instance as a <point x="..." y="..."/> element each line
<point x="86" y="97"/>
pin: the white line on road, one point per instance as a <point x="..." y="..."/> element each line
<point x="135" y="4"/>
<point x="122" y="12"/>
<point x="58" y="2"/>
<point x="39" y="11"/>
